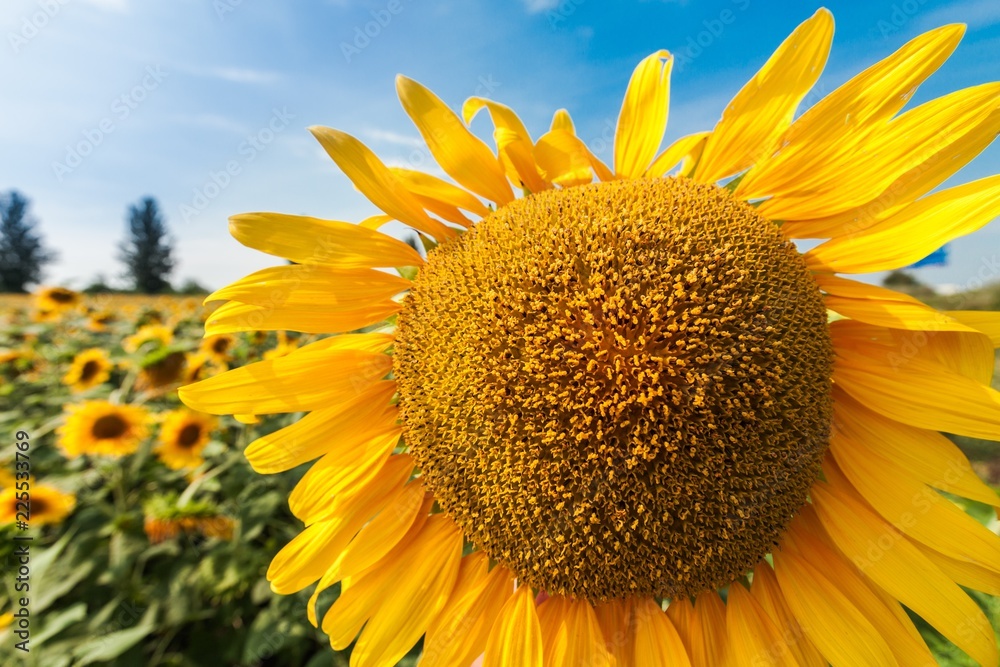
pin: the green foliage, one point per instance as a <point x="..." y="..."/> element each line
<point x="22" y="255"/>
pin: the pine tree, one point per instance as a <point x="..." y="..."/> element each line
<point x="147" y="251"/>
<point x="22" y="255"/>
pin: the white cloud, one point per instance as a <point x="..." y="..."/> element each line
<point x="387" y="137"/>
<point x="537" y="6"/>
<point x="110" y="5"/>
<point x="243" y="75"/>
<point x="975" y="13"/>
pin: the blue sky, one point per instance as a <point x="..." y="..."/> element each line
<point x="110" y="100"/>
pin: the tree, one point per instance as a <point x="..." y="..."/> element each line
<point x="148" y="250"/>
<point x="22" y="255"/>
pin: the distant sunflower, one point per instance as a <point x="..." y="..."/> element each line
<point x="635" y="393"/>
<point x="48" y="505"/>
<point x="54" y="300"/>
<point x="89" y="369"/>
<point x="198" y="366"/>
<point x="101" y="428"/>
<point x="183" y="435"/>
<point x="162" y="335"/>
<point x="219" y="348"/>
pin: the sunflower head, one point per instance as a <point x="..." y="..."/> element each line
<point x="620" y="388"/>
<point x="101" y="428"/>
<point x="157" y="334"/>
<point x="183" y="435"/>
<point x="89" y="369"/>
<point x="219" y="348"/>
<point x="56" y="300"/>
<point x="48" y="505"/>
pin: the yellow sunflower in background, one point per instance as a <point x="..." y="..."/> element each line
<point x="148" y="333"/>
<point x="183" y="435"/>
<point x="101" y="428"/>
<point x="55" y="300"/>
<point x="89" y="369"/>
<point x="628" y="422"/>
<point x="48" y="505"/>
<point x="218" y="348"/>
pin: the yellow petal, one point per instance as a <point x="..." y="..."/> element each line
<point x="571" y="634"/>
<point x="234" y="317"/>
<point x="317" y="299"/>
<point x="767" y="593"/>
<point x="413" y="602"/>
<point x="850" y="180"/>
<point x="968" y="575"/>
<point x="913" y="508"/>
<point x="912" y="233"/>
<point x="461" y="154"/>
<point x="383" y="532"/>
<point x="883" y="307"/>
<point x="616" y="618"/>
<point x="836" y="627"/>
<point x="643" y="117"/>
<point x="885" y="614"/>
<point x="924" y="455"/>
<point x="427" y="185"/>
<point x="518" y="153"/>
<point x="708" y="632"/>
<point x="333" y="475"/>
<point x="900" y="569"/>
<point x="754" y="639"/>
<point x="829" y="135"/>
<point x="387" y="482"/>
<point x="563" y="159"/>
<point x="656" y="640"/>
<point x="516" y="636"/>
<point x="463" y="631"/>
<point x="980" y="320"/>
<point x="685" y="148"/>
<point x="376" y="182"/>
<point x="561" y="121"/>
<point x="680" y="611"/>
<point x="765" y="106"/>
<point x="918" y="392"/>
<point x="303" y="380"/>
<point x="307" y="240"/>
<point x="304" y="560"/>
<point x="940" y="159"/>
<point x="514" y="143"/>
<point x="322" y="286"/>
<point x="339" y="429"/>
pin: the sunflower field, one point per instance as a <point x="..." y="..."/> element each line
<point x="151" y="535"/>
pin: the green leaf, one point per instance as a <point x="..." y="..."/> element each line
<point x="110" y="646"/>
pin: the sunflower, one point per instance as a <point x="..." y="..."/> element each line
<point x="55" y="300"/>
<point x="102" y="428"/>
<point x="162" y="335"/>
<point x="219" y="348"/>
<point x="183" y="434"/>
<point x="89" y="369"/>
<point x="198" y="366"/>
<point x="48" y="505"/>
<point x="641" y="427"/>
